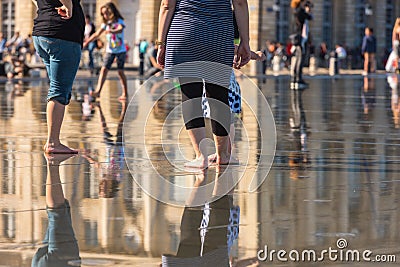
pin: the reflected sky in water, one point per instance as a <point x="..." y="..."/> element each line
<point x="335" y="175"/>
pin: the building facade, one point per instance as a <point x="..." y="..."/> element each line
<point x="335" y="21"/>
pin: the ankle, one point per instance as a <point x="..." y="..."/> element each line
<point x="223" y="156"/>
<point x="51" y="143"/>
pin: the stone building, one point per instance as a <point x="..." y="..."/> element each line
<point x="335" y="21"/>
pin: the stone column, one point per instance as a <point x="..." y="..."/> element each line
<point x="148" y="16"/>
<point x="25" y="12"/>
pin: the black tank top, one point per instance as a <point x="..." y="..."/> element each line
<point x="50" y="24"/>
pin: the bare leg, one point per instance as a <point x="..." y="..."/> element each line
<point x="212" y="159"/>
<point x="122" y="79"/>
<point x="372" y="63"/>
<point x="196" y="136"/>
<point x="199" y="194"/>
<point x="221" y="146"/>
<point x="55" y="115"/>
<point x="366" y="62"/>
<point x="54" y="191"/>
<point x="100" y="82"/>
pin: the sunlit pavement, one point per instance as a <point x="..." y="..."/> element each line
<point x="334" y="182"/>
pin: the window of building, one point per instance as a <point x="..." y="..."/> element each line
<point x="89" y="7"/>
<point x="390" y="19"/>
<point x="327" y="23"/>
<point x="8" y="181"/>
<point x="282" y="20"/>
<point x="8" y="15"/>
<point x="8" y="223"/>
<point x="360" y="21"/>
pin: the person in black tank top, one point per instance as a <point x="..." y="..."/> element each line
<point x="58" y="36"/>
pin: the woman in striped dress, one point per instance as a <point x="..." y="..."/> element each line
<point x="195" y="39"/>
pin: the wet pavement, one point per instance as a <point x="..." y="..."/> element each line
<point x="333" y="187"/>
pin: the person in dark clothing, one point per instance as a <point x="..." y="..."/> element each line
<point x="368" y="49"/>
<point x="299" y="39"/>
<point x="58" y="37"/>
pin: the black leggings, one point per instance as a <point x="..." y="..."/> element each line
<point x="192" y="89"/>
<point x="298" y="62"/>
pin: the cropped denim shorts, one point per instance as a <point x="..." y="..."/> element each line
<point x="61" y="59"/>
<point x="109" y="59"/>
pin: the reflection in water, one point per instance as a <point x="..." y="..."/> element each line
<point x="352" y="189"/>
<point x="368" y="97"/>
<point x="393" y="82"/>
<point x="160" y="90"/>
<point x="82" y="95"/>
<point x="110" y="171"/>
<point x="61" y="247"/>
<point x="299" y="155"/>
<point x="7" y="97"/>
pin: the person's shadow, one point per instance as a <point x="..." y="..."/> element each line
<point x="60" y="247"/>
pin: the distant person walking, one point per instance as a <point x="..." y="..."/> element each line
<point x="368" y="49"/>
<point x="302" y="14"/>
<point x="58" y="35"/>
<point x="113" y="25"/>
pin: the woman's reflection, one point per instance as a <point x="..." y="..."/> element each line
<point x="60" y="245"/>
<point x="209" y="231"/>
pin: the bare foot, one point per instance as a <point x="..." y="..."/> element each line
<point x="212" y="160"/>
<point x="56" y="159"/>
<point x="95" y="94"/>
<point x="59" y="149"/>
<point x="198" y="163"/>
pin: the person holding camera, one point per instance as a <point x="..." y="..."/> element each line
<point x="302" y="14"/>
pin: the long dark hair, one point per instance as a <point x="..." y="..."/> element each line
<point x="110" y="6"/>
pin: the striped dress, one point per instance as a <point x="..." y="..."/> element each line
<point x="201" y="30"/>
